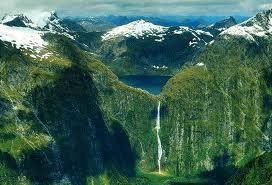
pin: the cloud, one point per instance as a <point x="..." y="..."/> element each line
<point x="138" y="7"/>
<point x="265" y="6"/>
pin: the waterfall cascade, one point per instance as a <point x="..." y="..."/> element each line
<point x="158" y="126"/>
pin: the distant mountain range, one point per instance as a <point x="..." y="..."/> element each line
<point x="104" y="23"/>
<point x="142" y="47"/>
<point x="137" y="48"/>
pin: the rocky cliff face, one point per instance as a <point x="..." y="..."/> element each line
<point x="257" y="171"/>
<point x="218" y="111"/>
<point x="53" y="127"/>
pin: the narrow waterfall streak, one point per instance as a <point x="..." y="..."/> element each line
<point x="158" y="127"/>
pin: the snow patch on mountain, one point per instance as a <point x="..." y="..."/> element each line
<point x="246" y="32"/>
<point x="135" y="29"/>
<point x="211" y="43"/>
<point x="21" y="37"/>
<point x="159" y="67"/>
<point x="258" y="26"/>
<point x="142" y="29"/>
<point x="160" y="39"/>
<point x="200" y="64"/>
<point x="198" y="34"/>
<point x="193" y="44"/>
<point x="42" y="55"/>
<point x="32" y="19"/>
<point x="204" y="33"/>
<point x="18" y="20"/>
<point x="8" y="18"/>
<point x="25" y="31"/>
<point x="181" y="30"/>
<point x="40" y="19"/>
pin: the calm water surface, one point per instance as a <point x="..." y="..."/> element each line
<point x="152" y="84"/>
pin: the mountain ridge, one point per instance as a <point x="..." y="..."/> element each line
<point x="257" y="26"/>
<point x="141" y="45"/>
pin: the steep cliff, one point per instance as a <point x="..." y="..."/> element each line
<point x="257" y="171"/>
<point x="52" y="125"/>
<point x="218" y="111"/>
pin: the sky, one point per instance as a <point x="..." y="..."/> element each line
<point x="138" y="7"/>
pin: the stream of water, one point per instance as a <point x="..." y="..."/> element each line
<point x="158" y="127"/>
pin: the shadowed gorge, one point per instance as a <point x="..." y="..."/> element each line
<point x="69" y="110"/>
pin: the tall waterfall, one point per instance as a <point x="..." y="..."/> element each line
<point x="158" y="126"/>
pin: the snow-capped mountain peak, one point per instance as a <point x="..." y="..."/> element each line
<point x="46" y="21"/>
<point x="25" y="31"/>
<point x="135" y="29"/>
<point x="141" y="30"/>
<point x="18" y="20"/>
<point x="257" y="26"/>
<point x="224" y="24"/>
<point x="263" y="19"/>
<point x="42" y="21"/>
<point x="8" y="18"/>
<point x="37" y="20"/>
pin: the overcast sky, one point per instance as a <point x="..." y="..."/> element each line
<point x="138" y="7"/>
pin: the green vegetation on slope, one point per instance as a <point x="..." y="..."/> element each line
<point x="257" y="172"/>
<point x="218" y="113"/>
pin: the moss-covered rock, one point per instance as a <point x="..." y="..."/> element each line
<point x="52" y="125"/>
<point x="217" y="111"/>
<point x="258" y="171"/>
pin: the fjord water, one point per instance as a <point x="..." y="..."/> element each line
<point x="152" y="84"/>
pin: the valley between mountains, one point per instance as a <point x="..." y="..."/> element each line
<point x="68" y="118"/>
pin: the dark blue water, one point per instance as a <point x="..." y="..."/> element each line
<point x="152" y="84"/>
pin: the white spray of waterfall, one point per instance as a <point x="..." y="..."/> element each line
<point x="158" y="127"/>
